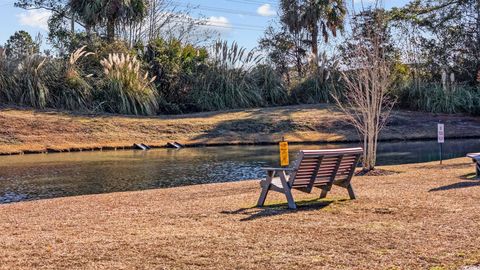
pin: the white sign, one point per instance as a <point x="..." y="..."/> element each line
<point x="441" y="133"/>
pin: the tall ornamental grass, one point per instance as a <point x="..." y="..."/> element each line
<point x="436" y="98"/>
<point x="224" y="82"/>
<point x="270" y="85"/>
<point x="127" y="89"/>
<point x="67" y="84"/>
<point x="311" y="90"/>
<point x="320" y="85"/>
<point x="33" y="78"/>
<point x="7" y="81"/>
<point x="76" y="94"/>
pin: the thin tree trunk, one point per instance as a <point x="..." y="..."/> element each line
<point x="287" y="75"/>
<point x="299" y="64"/>
<point x="298" y="55"/>
<point x="314" y="40"/>
<point x="111" y="30"/>
<point x="366" y="162"/>
<point x="88" y="30"/>
<point x="72" y="23"/>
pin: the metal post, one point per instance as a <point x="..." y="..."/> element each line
<point x="441" y="152"/>
<point x="441" y="138"/>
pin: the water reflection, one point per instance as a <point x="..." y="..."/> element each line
<point x="66" y="174"/>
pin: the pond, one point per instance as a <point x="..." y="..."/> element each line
<point x="39" y="176"/>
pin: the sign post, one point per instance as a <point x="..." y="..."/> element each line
<point x="441" y="138"/>
<point x="284" y="161"/>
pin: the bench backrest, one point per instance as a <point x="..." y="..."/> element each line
<point x="316" y="168"/>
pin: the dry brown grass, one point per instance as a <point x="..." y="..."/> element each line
<point x="32" y="131"/>
<point x="426" y="216"/>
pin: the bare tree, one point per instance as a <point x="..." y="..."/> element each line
<point x="167" y="19"/>
<point x="367" y="80"/>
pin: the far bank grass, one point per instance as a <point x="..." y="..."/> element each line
<point x="41" y="131"/>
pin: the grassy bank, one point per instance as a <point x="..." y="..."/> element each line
<point x="424" y="216"/>
<point x="40" y="131"/>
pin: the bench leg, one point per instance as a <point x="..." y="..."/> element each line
<point x="288" y="191"/>
<point x="265" y="189"/>
<point x="351" y="192"/>
<point x="324" y="193"/>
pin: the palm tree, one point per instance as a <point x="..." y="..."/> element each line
<point x="314" y="16"/>
<point x="88" y="11"/>
<point x="322" y="15"/>
<point x="109" y="13"/>
<point x="290" y="17"/>
<point x="126" y="11"/>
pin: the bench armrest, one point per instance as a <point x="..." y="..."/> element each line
<point x="475" y="156"/>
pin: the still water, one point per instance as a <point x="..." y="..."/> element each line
<point x="38" y="176"/>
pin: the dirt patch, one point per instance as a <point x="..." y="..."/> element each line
<point x="376" y="172"/>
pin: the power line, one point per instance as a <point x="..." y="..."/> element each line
<point x="222" y="10"/>
<point x="252" y="2"/>
<point x="205" y="21"/>
<point x="207" y="24"/>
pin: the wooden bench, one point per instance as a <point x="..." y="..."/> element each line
<point x="313" y="168"/>
<point x="476" y="159"/>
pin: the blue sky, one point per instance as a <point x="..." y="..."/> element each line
<point x="240" y="20"/>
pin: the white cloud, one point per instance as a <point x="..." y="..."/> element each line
<point x="36" y="18"/>
<point x="266" y="10"/>
<point x="220" y="23"/>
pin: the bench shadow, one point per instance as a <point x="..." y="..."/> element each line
<point x="445" y="166"/>
<point x="471" y="181"/>
<point x="276" y="209"/>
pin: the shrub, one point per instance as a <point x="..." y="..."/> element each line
<point x="434" y="97"/>
<point x="127" y="89"/>
<point x="173" y="64"/>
